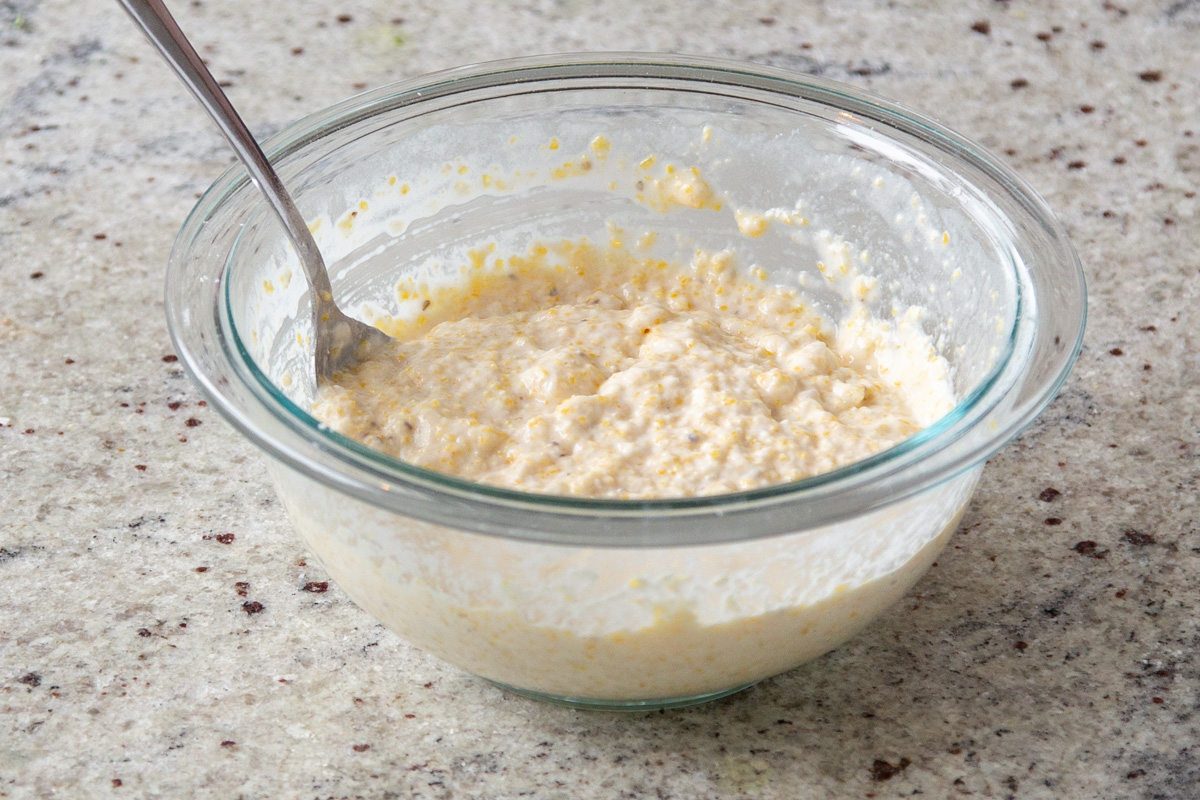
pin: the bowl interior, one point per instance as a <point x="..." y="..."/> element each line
<point x="421" y="191"/>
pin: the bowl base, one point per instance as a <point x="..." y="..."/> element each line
<point x="591" y="704"/>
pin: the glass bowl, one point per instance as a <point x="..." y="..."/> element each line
<point x="609" y="603"/>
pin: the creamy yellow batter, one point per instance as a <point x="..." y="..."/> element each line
<point x="588" y="371"/>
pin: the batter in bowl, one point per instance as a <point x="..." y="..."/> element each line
<point x="587" y="371"/>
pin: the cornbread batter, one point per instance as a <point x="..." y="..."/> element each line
<point x="583" y="371"/>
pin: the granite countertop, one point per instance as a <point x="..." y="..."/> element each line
<point x="1053" y="651"/>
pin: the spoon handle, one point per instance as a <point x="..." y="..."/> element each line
<point x="163" y="32"/>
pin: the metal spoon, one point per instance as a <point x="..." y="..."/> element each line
<point x="339" y="342"/>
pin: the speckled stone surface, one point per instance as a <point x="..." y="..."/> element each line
<point x="1053" y="652"/>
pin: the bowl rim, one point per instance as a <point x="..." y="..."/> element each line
<point x="386" y="482"/>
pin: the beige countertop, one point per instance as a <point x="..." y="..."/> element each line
<point x="1054" y="651"/>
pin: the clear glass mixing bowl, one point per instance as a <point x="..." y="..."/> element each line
<point x="628" y="604"/>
